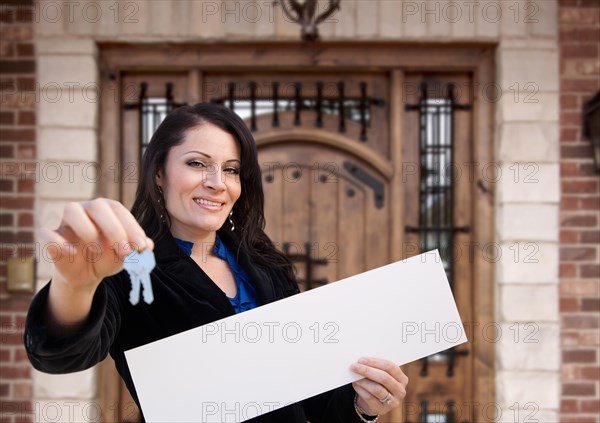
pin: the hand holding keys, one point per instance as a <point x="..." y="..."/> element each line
<point x="139" y="265"/>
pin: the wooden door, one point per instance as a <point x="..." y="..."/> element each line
<point x="344" y="174"/>
<point x="438" y="159"/>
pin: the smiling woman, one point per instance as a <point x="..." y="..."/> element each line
<point x="199" y="205"/>
<point x="200" y="182"/>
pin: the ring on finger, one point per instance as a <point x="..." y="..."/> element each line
<point x="387" y="400"/>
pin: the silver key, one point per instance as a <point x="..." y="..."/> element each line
<point x="139" y="266"/>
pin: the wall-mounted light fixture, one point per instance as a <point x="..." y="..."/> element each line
<point x="591" y="126"/>
<point x="21" y="275"/>
<point x="307" y="14"/>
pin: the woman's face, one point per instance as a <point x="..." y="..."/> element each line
<point x="200" y="181"/>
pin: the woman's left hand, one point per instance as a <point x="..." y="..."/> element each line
<point x="383" y="386"/>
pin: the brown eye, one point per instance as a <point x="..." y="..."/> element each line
<point x="196" y="163"/>
<point x="232" y="170"/>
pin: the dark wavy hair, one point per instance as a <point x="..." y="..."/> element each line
<point x="248" y="211"/>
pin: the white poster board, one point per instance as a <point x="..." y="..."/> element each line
<point x="241" y="367"/>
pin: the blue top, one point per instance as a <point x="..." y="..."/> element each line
<point x="246" y="297"/>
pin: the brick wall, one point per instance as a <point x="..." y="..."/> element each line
<point x="579" y="25"/>
<point x="17" y="152"/>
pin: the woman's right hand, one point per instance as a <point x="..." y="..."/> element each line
<point x="91" y="243"/>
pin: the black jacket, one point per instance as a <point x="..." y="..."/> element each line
<point x="184" y="298"/>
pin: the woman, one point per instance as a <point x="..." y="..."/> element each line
<point x="201" y="199"/>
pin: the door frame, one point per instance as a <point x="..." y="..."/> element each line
<point x="337" y="57"/>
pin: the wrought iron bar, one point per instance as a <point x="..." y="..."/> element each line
<point x="319" y="105"/>
<point x="298" y="87"/>
<point x="275" y="104"/>
<point x="363" y="111"/>
<point x="252" y="86"/>
<point x="309" y="261"/>
<point x="342" y="107"/>
<point x="231" y="95"/>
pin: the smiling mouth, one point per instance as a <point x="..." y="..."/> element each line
<point x="204" y="202"/>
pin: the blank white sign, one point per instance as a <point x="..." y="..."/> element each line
<point x="249" y="364"/>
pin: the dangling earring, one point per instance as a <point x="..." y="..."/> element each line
<point x="162" y="207"/>
<point x="231" y="220"/>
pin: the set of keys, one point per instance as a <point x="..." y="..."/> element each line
<point x="138" y="266"/>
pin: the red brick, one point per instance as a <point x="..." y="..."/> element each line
<point x="22" y="390"/>
<point x="25" y="220"/>
<point x="14" y="304"/>
<point x="16" y="32"/>
<point x="4" y="390"/>
<point x="25" y="251"/>
<point x="26" y="84"/>
<point x="17" y="66"/>
<point x="590" y="373"/>
<point x="17" y="135"/>
<point x="9" y="202"/>
<point x="569" y="169"/>
<point x="582" y="151"/>
<point x="578" y="16"/>
<point x="20" y="319"/>
<point x="586" y="220"/>
<point x="568" y="102"/>
<point x="579" y="35"/>
<point x="569" y="304"/>
<point x="579" y="186"/>
<point x="590" y="271"/>
<point x="590" y="203"/>
<point x="579" y="356"/>
<point x="569" y="134"/>
<point x="569" y="237"/>
<point x="7" y="185"/>
<point x="590" y="237"/>
<point x="593" y="4"/>
<point x="26" y="185"/>
<point x="7" y="151"/>
<point x="577" y="253"/>
<point x="6" y="219"/>
<point x="15" y="407"/>
<point x="590" y="406"/>
<point x="7" y="16"/>
<point x="569" y="339"/>
<point x="15" y="372"/>
<point x="578" y="85"/>
<point x="589" y="338"/>
<point x="12" y="338"/>
<point x="7" y="118"/>
<point x="4" y="355"/>
<point x="26" y="118"/>
<point x="578" y="389"/>
<point x="590" y="304"/>
<point x="24" y="15"/>
<point x="26" y="151"/>
<point x="24" y="237"/>
<point x="581" y="321"/>
<point x="21" y="355"/>
<point x="569" y="405"/>
<point x="569" y="203"/>
<point x="585" y="288"/>
<point x="570" y="118"/>
<point x="579" y="50"/>
<point x="577" y="419"/>
<point x="588" y="169"/>
<point x="567" y="270"/>
<point x="25" y="49"/>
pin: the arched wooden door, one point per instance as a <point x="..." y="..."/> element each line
<point x="325" y="206"/>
